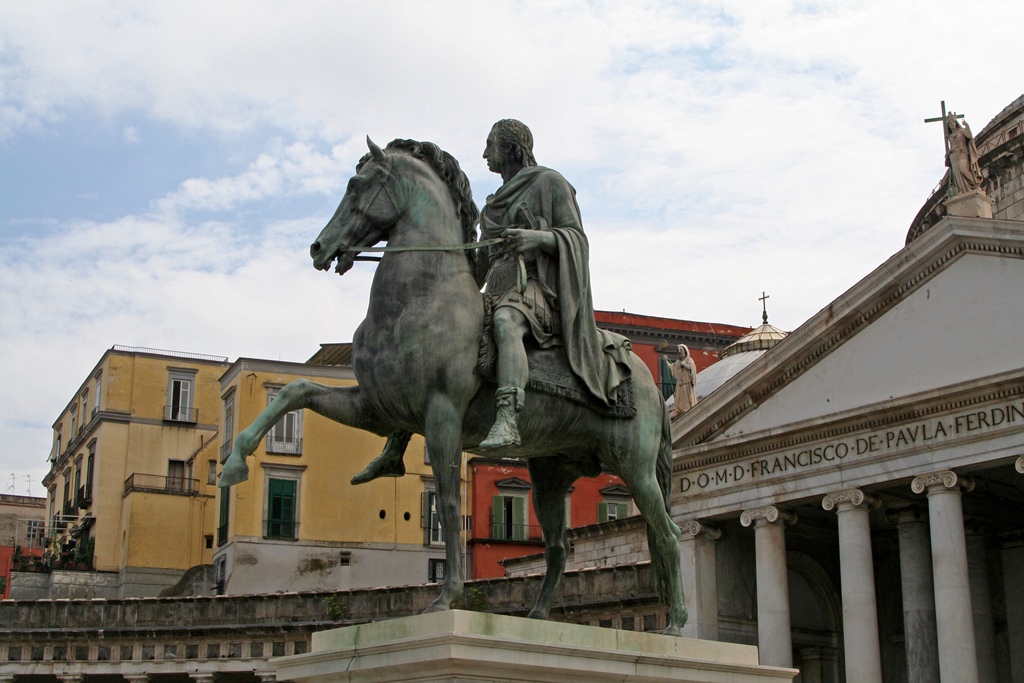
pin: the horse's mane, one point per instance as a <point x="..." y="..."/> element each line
<point x="447" y="168"/>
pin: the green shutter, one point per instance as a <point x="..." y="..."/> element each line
<point x="498" y="517"/>
<point x="281" y="509"/>
<point x="602" y="512"/>
<point x="518" y="518"/>
<point x="622" y="510"/>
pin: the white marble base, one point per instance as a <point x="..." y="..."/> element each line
<point x="459" y="646"/>
<point x="973" y="204"/>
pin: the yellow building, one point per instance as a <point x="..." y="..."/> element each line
<point x="130" y="493"/>
<point x="297" y="523"/>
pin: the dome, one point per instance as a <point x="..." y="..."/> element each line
<point x="739" y="355"/>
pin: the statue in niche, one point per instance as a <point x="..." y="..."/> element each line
<point x="964" y="171"/>
<point x="685" y="373"/>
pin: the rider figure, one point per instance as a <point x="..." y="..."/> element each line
<point x="538" y="286"/>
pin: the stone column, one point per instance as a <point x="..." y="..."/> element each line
<point x="1013" y="591"/>
<point x="774" y="633"/>
<point x="918" y="595"/>
<point x="958" y="660"/>
<point x="860" y="611"/>
<point x="700" y="580"/>
<point x="981" y="600"/>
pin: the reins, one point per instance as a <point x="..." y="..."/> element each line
<point x="426" y="247"/>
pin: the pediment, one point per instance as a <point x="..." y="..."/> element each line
<point x="944" y="311"/>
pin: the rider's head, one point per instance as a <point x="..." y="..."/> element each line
<point x="515" y="139"/>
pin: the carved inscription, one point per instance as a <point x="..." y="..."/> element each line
<point x="933" y="431"/>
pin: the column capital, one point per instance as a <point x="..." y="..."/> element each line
<point x="694" y="529"/>
<point x="853" y="497"/>
<point x="266" y="676"/>
<point x="136" y="677"/>
<point x="202" y="676"/>
<point x="936" y="481"/>
<point x="1019" y="465"/>
<point x="768" y="514"/>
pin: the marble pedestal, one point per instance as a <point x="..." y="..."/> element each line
<point x="458" y="646"/>
<point x="973" y="204"/>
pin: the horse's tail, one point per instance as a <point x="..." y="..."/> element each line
<point x="664" y="466"/>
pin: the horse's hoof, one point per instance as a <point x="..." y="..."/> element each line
<point x="673" y="630"/>
<point x="380" y="468"/>
<point x="233" y="473"/>
<point x="537" y="614"/>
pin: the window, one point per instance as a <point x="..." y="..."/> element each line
<point x="615" y="504"/>
<point x="179" y="396"/>
<point x="430" y="520"/>
<point x="609" y="511"/>
<point x="220" y="574"/>
<point x="435" y="570"/>
<point x="35" y="532"/>
<point x="89" y="470"/>
<point x="281" y="495"/>
<point x="175" y="475"/>
<point x="508" y="518"/>
<point x="85" y="408"/>
<point x="225" y="510"/>
<point x="79" y="491"/>
<point x="56" y="444"/>
<point x="286" y="435"/>
<point x="96" y="394"/>
<point x="74" y="421"/>
<point x="211" y="472"/>
<point x="228" y="442"/>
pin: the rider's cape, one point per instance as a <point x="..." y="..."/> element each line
<point x="598" y="357"/>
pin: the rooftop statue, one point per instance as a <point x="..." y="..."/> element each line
<point x="568" y="398"/>
<point x="684" y="371"/>
<point x="964" y="172"/>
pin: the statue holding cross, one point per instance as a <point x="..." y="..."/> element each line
<point x="961" y="153"/>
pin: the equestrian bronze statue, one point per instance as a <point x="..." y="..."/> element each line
<point x="518" y="370"/>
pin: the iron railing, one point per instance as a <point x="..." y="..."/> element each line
<point x="154" y="483"/>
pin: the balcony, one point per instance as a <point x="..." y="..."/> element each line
<point x="282" y="529"/>
<point x="154" y="483"/>
<point x="83" y="498"/>
<point x="174" y="413"/>
<point x="516" y="532"/>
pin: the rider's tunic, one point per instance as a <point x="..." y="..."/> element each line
<point x="552" y="290"/>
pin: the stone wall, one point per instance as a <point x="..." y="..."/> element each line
<point x="621" y="542"/>
<point x="238" y="634"/>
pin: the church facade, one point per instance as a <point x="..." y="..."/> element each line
<point x="851" y="501"/>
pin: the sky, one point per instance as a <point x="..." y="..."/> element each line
<point x="164" y="166"/>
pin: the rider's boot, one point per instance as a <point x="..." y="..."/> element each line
<point x="390" y="462"/>
<point x="505" y="431"/>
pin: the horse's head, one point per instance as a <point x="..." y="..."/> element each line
<point x="364" y="216"/>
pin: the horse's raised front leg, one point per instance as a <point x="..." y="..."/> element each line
<point x="443" y="434"/>
<point x="341" y="404"/>
<point x="551" y="478"/>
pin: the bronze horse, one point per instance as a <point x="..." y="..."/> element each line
<point x="415" y="359"/>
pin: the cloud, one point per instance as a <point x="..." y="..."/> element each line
<point x="719" y="149"/>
